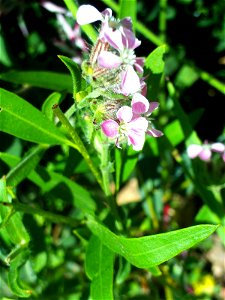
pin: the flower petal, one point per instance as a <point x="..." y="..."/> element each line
<point x="109" y="60"/>
<point x="218" y="147"/>
<point x="136" y="139"/>
<point x="194" y="150"/>
<point x="130" y="82"/>
<point x="154" y="132"/>
<point x="114" y="38"/>
<point x="110" y="128"/>
<point x="138" y="124"/>
<point x="125" y="114"/>
<point x="140" y="104"/>
<point x="87" y="14"/>
<point x="153" y="106"/>
<point x="205" y="154"/>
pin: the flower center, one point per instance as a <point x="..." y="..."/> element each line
<point x="128" y="56"/>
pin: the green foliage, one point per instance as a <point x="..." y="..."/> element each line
<point x="71" y="224"/>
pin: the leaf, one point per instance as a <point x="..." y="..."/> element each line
<point x="128" y="8"/>
<point x="59" y="185"/>
<point x="3" y="191"/>
<point x="54" y="98"/>
<point x="150" y="251"/>
<point x="75" y="72"/>
<point x="21" y="119"/>
<point x="99" y="268"/>
<point x="43" y="79"/>
<point x="174" y="133"/>
<point x="155" y="64"/>
<point x="25" y="166"/>
<point x="16" y="285"/>
<point x="125" y="161"/>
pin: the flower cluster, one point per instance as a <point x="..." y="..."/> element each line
<point x="115" y="71"/>
<point x="204" y="152"/>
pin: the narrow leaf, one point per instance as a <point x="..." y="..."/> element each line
<point x="21" y="119"/>
<point x="25" y="166"/>
<point x="43" y="79"/>
<point x="149" y="251"/>
<point x="75" y="72"/>
<point x="99" y="268"/>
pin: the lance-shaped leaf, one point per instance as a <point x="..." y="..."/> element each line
<point x="75" y="72"/>
<point x="99" y="268"/>
<point x="43" y="79"/>
<point x="21" y="119"/>
<point x="149" y="251"/>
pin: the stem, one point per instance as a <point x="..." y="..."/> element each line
<point x="155" y="222"/>
<point x="45" y="214"/>
<point x="77" y="143"/>
<point x="162" y="20"/>
<point x="105" y="169"/>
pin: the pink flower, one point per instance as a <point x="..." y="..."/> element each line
<point x="87" y="14"/>
<point x="204" y="152"/>
<point x="131" y="128"/>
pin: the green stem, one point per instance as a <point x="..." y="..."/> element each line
<point x="77" y="143"/>
<point x="162" y="20"/>
<point x="45" y="214"/>
<point x="105" y="169"/>
<point x="154" y="219"/>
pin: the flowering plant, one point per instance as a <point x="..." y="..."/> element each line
<point x="94" y="200"/>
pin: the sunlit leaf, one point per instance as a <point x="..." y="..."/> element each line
<point x="149" y="251"/>
<point x="21" y="119"/>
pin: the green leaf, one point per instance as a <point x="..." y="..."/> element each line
<point x="57" y="184"/>
<point x="99" y="268"/>
<point x="128" y="8"/>
<point x="15" y="283"/>
<point x="155" y="64"/>
<point x="75" y="72"/>
<point x="43" y="79"/>
<point x="54" y="98"/>
<point x="21" y="119"/>
<point x="125" y="162"/>
<point x="149" y="251"/>
<point x="3" y="191"/>
<point x="174" y="133"/>
<point x="25" y="166"/>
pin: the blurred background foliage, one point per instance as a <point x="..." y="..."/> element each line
<point x="30" y="39"/>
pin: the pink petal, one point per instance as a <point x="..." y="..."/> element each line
<point x="125" y="114"/>
<point x="205" y="154"/>
<point x="53" y="8"/>
<point x="109" y="60"/>
<point x="194" y="150"/>
<point x="114" y="38"/>
<point x="127" y="23"/>
<point x="154" y="132"/>
<point x="153" y="106"/>
<point x="110" y="128"/>
<point x="218" y="147"/>
<point x="107" y="13"/>
<point x="136" y="139"/>
<point x="130" y="81"/>
<point x="66" y="27"/>
<point x="87" y="14"/>
<point x="140" y="104"/>
<point x="138" y="124"/>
